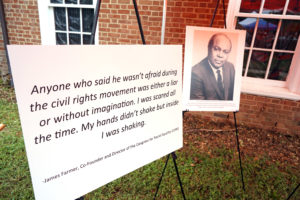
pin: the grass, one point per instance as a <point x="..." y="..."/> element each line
<point x="205" y="175"/>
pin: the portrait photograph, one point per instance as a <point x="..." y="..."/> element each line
<point x="213" y="69"/>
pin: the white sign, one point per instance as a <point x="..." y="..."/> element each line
<point x="213" y="68"/>
<point x="91" y="114"/>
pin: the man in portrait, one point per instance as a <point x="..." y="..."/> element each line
<point x="213" y="77"/>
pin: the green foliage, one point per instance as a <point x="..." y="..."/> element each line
<point x="205" y="175"/>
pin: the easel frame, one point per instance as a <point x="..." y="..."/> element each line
<point x="96" y="15"/>
<point x="174" y="157"/>
<point x="292" y="193"/>
<point x="234" y="113"/>
<point x="92" y="39"/>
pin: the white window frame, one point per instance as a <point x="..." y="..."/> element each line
<point x="289" y="89"/>
<point x="47" y="24"/>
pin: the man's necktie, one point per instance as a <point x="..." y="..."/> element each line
<point x="220" y="83"/>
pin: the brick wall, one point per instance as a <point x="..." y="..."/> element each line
<point x="22" y="20"/>
<point x="262" y="112"/>
<point x="190" y="13"/>
<point x="271" y="113"/>
<point x="118" y="23"/>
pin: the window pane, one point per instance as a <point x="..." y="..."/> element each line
<point x="273" y="6"/>
<point x="258" y="64"/>
<point x="86" y="39"/>
<point x="250" y="6"/>
<point x="265" y="33"/>
<point x="56" y="1"/>
<point x="280" y="66"/>
<point x="60" y="19"/>
<point x="246" y="54"/>
<point x="288" y="35"/>
<point x="74" y="19"/>
<point x="87" y="19"/>
<point x="74" y="38"/>
<point x="89" y="2"/>
<point x="71" y="1"/>
<point x="61" y="38"/>
<point x="247" y="24"/>
<point x="294" y="7"/>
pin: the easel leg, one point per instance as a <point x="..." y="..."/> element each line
<point x="238" y="148"/>
<point x="214" y="15"/>
<point x="177" y="172"/>
<point x="293" y="192"/>
<point x="96" y="14"/>
<point x="162" y="174"/>
<point x="139" y="21"/>
<point x="176" y="168"/>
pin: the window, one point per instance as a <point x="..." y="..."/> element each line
<point x="66" y="21"/>
<point x="271" y="54"/>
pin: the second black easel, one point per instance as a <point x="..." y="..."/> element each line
<point x="293" y="192"/>
<point x="174" y="157"/>
<point x="234" y="113"/>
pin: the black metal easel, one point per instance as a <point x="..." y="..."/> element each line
<point x="234" y="113"/>
<point x="238" y="148"/>
<point x="176" y="168"/>
<point x="293" y="192"/>
<point x="96" y="14"/>
<point x="177" y="172"/>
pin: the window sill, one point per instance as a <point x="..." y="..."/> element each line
<point x="269" y="91"/>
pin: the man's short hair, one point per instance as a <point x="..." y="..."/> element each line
<point x="211" y="40"/>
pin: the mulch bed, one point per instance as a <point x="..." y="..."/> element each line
<point x="254" y="142"/>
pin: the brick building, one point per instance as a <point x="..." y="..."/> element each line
<point x="270" y="90"/>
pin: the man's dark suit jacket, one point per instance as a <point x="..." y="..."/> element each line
<point x="204" y="85"/>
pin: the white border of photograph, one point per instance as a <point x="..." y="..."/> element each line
<point x="196" y="49"/>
